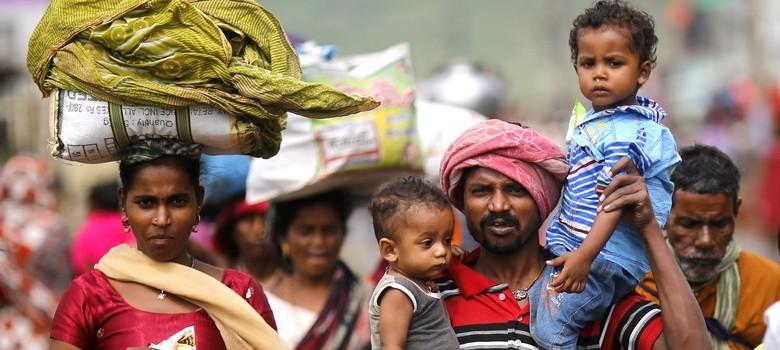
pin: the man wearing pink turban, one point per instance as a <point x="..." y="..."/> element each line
<point x="506" y="179"/>
<point x="519" y="153"/>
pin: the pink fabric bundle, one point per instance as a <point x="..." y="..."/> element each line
<point x="517" y="152"/>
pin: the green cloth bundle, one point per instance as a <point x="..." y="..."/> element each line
<point x="228" y="54"/>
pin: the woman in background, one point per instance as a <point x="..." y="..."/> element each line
<point x="319" y="302"/>
<point x="240" y="238"/>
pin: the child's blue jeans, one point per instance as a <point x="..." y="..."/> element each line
<point x="558" y="318"/>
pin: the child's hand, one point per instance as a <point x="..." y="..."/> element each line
<point x="574" y="275"/>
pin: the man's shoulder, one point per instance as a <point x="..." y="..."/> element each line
<point x="632" y="320"/>
<point x="753" y="259"/>
<point x="765" y="270"/>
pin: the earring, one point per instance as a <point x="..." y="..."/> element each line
<point x="285" y="250"/>
<point x="195" y="225"/>
<point x="125" y="223"/>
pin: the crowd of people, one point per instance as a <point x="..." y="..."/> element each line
<point x="622" y="242"/>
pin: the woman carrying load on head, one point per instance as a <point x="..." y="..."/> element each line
<point x="319" y="301"/>
<point x="159" y="294"/>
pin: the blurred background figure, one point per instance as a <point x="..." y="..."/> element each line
<point x="241" y="241"/>
<point x="468" y="85"/>
<point x="319" y="301"/>
<point x="769" y="187"/>
<point x="101" y="230"/>
<point x="224" y="179"/>
<point x="33" y="252"/>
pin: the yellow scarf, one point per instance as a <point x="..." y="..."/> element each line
<point x="239" y="324"/>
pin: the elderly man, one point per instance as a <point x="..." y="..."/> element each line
<point x="733" y="287"/>
<point x="506" y="179"/>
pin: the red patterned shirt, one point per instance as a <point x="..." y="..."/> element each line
<point x="485" y="314"/>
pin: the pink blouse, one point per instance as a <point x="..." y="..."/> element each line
<point x="92" y="315"/>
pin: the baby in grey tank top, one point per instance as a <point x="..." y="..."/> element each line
<point x="413" y="223"/>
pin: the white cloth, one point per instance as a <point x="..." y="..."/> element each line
<point x="292" y="321"/>
<point x="772" y="321"/>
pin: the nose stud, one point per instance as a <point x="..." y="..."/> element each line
<point x="154" y="221"/>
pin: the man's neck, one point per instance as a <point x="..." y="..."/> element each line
<point x="518" y="270"/>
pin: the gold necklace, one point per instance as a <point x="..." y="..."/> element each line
<point x="163" y="295"/>
<point x="522" y="293"/>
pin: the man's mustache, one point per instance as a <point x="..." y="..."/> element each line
<point x="697" y="255"/>
<point x="509" y="219"/>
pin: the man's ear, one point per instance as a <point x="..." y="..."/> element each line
<point x="644" y="72"/>
<point x="737" y="205"/>
<point x="388" y="250"/>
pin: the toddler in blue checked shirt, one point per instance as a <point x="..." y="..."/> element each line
<point x="597" y="258"/>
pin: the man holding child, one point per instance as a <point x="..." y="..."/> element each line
<point x="506" y="179"/>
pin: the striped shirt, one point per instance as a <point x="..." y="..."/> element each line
<point x="598" y="142"/>
<point x="485" y="315"/>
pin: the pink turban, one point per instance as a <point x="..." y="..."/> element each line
<point x="517" y="152"/>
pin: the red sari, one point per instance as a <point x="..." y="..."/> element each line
<point x="92" y="315"/>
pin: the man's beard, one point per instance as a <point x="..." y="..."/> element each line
<point x="504" y="249"/>
<point x="691" y="269"/>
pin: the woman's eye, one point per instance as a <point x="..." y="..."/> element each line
<point x="331" y="230"/>
<point x="145" y="203"/>
<point x="179" y="202"/>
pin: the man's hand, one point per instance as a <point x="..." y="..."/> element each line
<point x="574" y="275"/>
<point x="628" y="191"/>
<point x="458" y="252"/>
<point x="684" y="326"/>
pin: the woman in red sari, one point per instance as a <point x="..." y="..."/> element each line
<point x="158" y="294"/>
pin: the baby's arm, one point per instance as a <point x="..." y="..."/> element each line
<point x="395" y="315"/>
<point x="576" y="265"/>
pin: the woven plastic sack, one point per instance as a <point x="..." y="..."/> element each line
<point x="358" y="151"/>
<point x="87" y="130"/>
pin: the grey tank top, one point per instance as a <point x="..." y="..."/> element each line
<point x="430" y="326"/>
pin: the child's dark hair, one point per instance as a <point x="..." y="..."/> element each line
<point x="398" y="195"/>
<point x="621" y="14"/>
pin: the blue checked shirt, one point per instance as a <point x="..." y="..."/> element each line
<point x="598" y="142"/>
